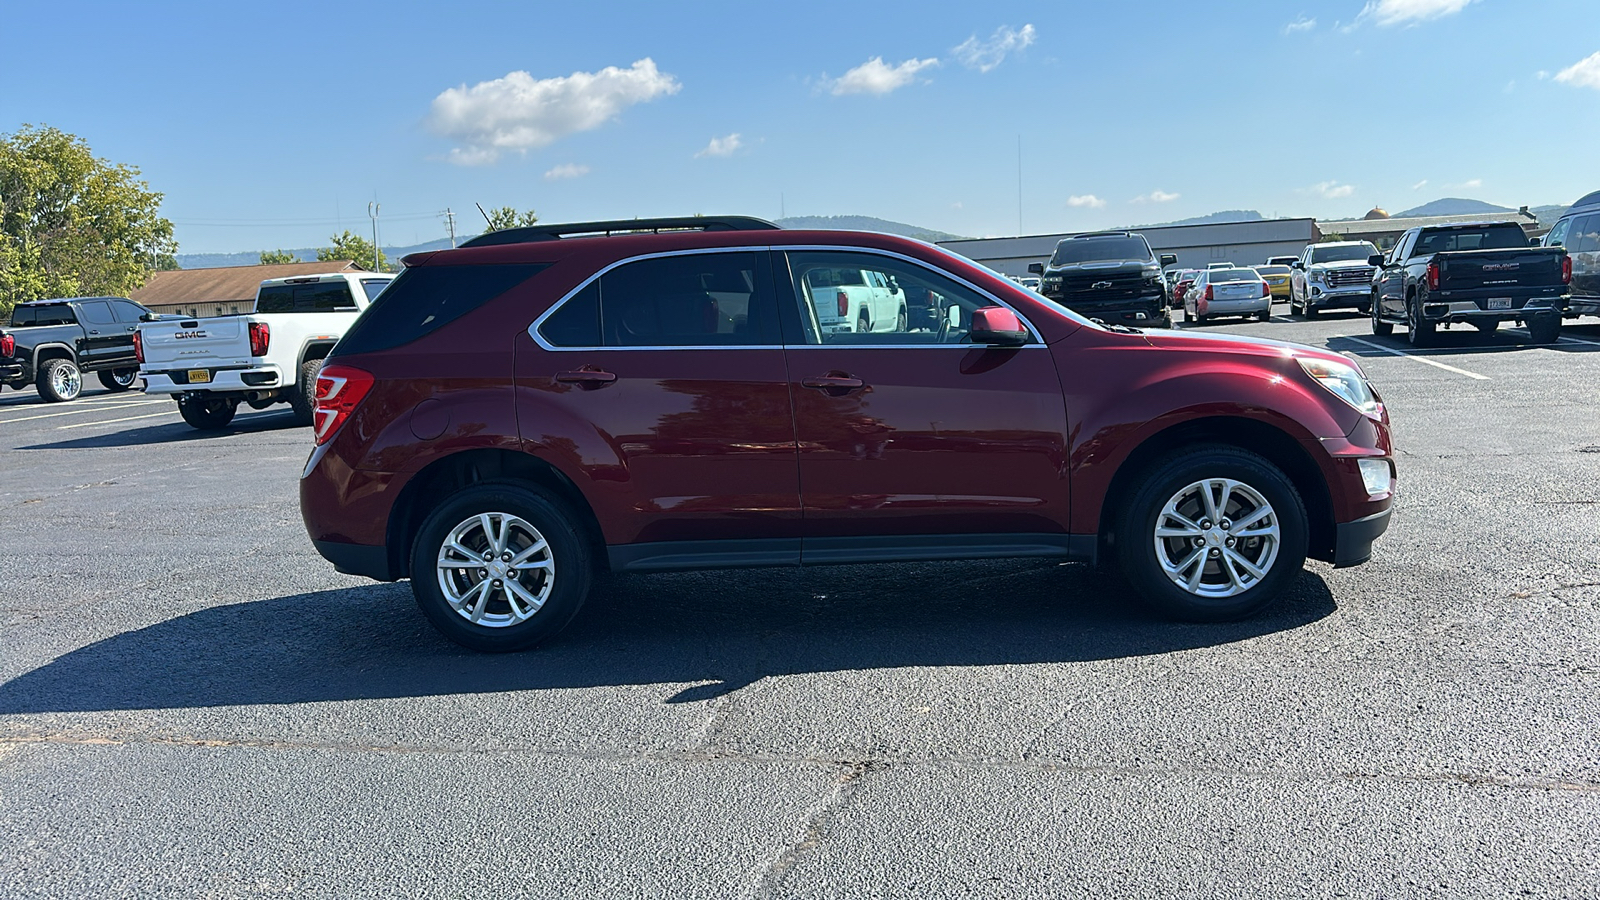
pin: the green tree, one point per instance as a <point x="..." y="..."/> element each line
<point x="72" y="224"/>
<point x="508" y="217"/>
<point x="278" y="257"/>
<point x="353" y="246"/>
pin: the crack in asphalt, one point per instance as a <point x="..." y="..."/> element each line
<point x="865" y="762"/>
<point x="770" y="876"/>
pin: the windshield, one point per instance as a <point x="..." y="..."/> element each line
<point x="1222" y="275"/>
<point x="1077" y="250"/>
<point x="1342" y="253"/>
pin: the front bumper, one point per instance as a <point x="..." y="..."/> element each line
<point x="1143" y="311"/>
<point x="357" y="559"/>
<point x="1342" y="297"/>
<point x="1352" y="544"/>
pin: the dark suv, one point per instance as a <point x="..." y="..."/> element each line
<point x="509" y="417"/>
<point x="1578" y="230"/>
<point x="1112" y="276"/>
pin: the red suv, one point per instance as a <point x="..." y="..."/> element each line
<point x="670" y="394"/>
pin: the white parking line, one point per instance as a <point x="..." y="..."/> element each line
<point x="170" y="412"/>
<point x="75" y="412"/>
<point x="1564" y="339"/>
<point x="1420" y="359"/>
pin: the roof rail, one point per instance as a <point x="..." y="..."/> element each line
<point x="1101" y="234"/>
<point x="619" y="226"/>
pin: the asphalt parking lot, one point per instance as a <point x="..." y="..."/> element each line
<point x="192" y="703"/>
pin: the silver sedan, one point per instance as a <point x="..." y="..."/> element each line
<point x="1227" y="292"/>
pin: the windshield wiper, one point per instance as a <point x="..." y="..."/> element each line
<point x="1121" y="329"/>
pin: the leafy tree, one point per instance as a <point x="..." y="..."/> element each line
<point x="507" y="217"/>
<point x="72" y="224"/>
<point x="279" y="257"/>
<point x="353" y="246"/>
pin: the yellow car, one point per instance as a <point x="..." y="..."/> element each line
<point x="1277" y="278"/>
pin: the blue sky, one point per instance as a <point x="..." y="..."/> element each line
<point x="273" y="125"/>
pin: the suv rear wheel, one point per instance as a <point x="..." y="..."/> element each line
<point x="498" y="568"/>
<point x="1213" y="534"/>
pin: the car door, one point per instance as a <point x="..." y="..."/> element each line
<point x="660" y="386"/>
<point x="101" y="334"/>
<point x="1392" y="278"/>
<point x="916" y="443"/>
<point x="126" y="313"/>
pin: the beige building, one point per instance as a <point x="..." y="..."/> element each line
<point x="222" y="291"/>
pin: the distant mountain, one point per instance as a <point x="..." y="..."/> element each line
<point x="1452" y="206"/>
<point x="864" y="223"/>
<point x="304" y="254"/>
<point x="1216" y="218"/>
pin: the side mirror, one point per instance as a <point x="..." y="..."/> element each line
<point x="1035" y="268"/>
<point x="1535" y="242"/>
<point x="997" y="326"/>
<point x="1169" y="259"/>
<point x="1298" y="265"/>
<point x="1375" y="259"/>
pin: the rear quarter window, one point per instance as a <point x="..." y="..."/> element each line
<point x="425" y="298"/>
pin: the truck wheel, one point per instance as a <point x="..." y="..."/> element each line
<point x="863" y="324"/>
<point x="207" y="415"/>
<point x="59" y="379"/>
<point x="1379" y="326"/>
<point x="1545" y="329"/>
<point x="118" y="380"/>
<point x="1213" y="534"/>
<point x="902" y="323"/>
<point x="1419" y="331"/>
<point x="498" y="567"/>
<point x="1307" y="311"/>
<point x="304" y="399"/>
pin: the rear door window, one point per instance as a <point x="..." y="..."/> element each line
<point x="1585" y="235"/>
<point x="96" y="312"/>
<point x="372" y="287"/>
<point x="721" y="299"/>
<point x="126" y="312"/>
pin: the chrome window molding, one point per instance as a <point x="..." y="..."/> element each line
<point x="533" y="329"/>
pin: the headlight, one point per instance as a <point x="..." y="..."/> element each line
<point x="1316" y="274"/>
<point x="1344" y="381"/>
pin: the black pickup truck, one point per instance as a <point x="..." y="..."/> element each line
<point x="1113" y="276"/>
<point x="52" y="343"/>
<point x="1480" y="273"/>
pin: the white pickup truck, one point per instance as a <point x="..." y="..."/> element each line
<point x="260" y="358"/>
<point x="855" y="301"/>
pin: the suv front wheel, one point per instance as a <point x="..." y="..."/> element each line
<point x="499" y="568"/>
<point x="1212" y="535"/>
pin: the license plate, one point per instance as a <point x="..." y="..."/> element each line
<point x="199" y="376"/>
<point x="1498" y="303"/>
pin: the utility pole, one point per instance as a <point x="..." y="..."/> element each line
<point x="450" y="217"/>
<point x="372" y="213"/>
<point x="1019" y="185"/>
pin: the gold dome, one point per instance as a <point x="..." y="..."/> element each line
<point x="1377" y="212"/>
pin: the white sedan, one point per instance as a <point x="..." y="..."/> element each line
<point x="1228" y="292"/>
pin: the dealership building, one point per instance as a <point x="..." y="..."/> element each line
<point x="1240" y="243"/>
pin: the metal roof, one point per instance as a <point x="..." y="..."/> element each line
<point x="1355" y="228"/>
<point x="227" y="283"/>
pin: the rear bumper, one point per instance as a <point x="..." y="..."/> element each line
<point x="10" y="371"/>
<point x="1353" y="541"/>
<point x="175" y="381"/>
<point x="1470" y="310"/>
<point x="1583" y="306"/>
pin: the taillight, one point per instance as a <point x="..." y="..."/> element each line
<point x="1266" y="289"/>
<point x="1433" y="276"/>
<point x="8" y="345"/>
<point x="844" y="303"/>
<point x="1566" y="275"/>
<point x="260" y="338"/>
<point x="1209" y="295"/>
<point x="138" y="348"/>
<point x="340" y="389"/>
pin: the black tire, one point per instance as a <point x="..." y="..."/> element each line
<point x="59" y="380"/>
<point x="207" y="414"/>
<point x="1544" y="329"/>
<point x="1264" y="316"/>
<point x="863" y="324"/>
<point x="1136" y="546"/>
<point x="1419" y="331"/>
<point x="304" y="399"/>
<point x="118" y="380"/>
<point x="1379" y="326"/>
<point x="1166" y="318"/>
<point x="1308" y="312"/>
<point x="567" y="551"/>
<point x="902" y="322"/>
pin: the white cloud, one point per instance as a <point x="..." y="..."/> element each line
<point x="519" y="112"/>
<point x="1583" y="73"/>
<point x="1332" y="190"/>
<point x="1469" y="184"/>
<point x="721" y="146"/>
<point x="1156" y="197"/>
<point x="957" y="205"/>
<point x="985" y="55"/>
<point x="568" y="170"/>
<point x="1542" y="74"/>
<point x="1300" y="24"/>
<point x="877" y="77"/>
<point x="1420" y="185"/>
<point x="1409" y="12"/>
<point x="1089" y="201"/>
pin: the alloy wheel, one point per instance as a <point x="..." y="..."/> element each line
<point x="495" y="570"/>
<point x="1217" y="538"/>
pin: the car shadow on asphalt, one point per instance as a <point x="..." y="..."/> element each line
<point x="716" y="632"/>
<point x="174" y="433"/>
